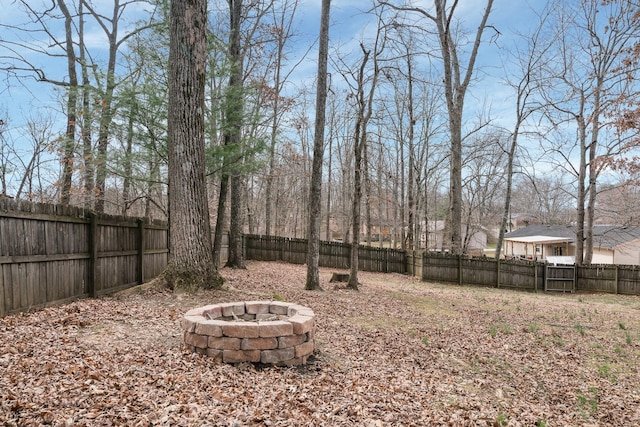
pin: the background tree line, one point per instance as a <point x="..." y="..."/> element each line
<point x="410" y="140"/>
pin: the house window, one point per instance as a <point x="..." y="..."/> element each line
<point x="557" y="251"/>
<point x="538" y="249"/>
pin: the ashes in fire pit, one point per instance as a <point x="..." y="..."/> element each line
<point x="270" y="332"/>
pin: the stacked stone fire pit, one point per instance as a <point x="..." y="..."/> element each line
<point x="270" y="332"/>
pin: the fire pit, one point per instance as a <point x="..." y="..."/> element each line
<point x="270" y="332"/>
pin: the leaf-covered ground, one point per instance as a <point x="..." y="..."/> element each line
<point x="398" y="353"/>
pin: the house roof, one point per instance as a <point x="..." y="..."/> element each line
<point x="539" y="239"/>
<point x="552" y="231"/>
<point x="604" y="236"/>
<point x="610" y="236"/>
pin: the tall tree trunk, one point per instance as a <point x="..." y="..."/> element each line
<point x="365" y="103"/>
<point x="128" y="166"/>
<point x="582" y="173"/>
<point x="592" y="173"/>
<point x="274" y="134"/>
<point x="315" y="188"/>
<point x="328" y="225"/>
<point x="72" y="99"/>
<point x="191" y="257"/>
<point x="234" y="117"/>
<point x="411" y="204"/>
<point x="236" y="258"/>
<point x="220" y="219"/>
<point x="87" y="119"/>
<point x="367" y="194"/>
<point x="107" y="112"/>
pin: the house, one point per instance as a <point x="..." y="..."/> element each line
<point x="611" y="244"/>
<point x="432" y="237"/>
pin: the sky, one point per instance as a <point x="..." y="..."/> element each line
<point x="350" y="24"/>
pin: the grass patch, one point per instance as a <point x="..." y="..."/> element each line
<point x="501" y="419"/>
<point x="532" y="327"/>
<point x="278" y="297"/>
<point x="588" y="402"/>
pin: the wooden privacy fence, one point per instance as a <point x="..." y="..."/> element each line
<point x="332" y="254"/>
<point x="51" y="253"/>
<point x="528" y="275"/>
<point x="461" y="270"/>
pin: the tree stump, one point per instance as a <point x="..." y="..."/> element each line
<point x="339" y="277"/>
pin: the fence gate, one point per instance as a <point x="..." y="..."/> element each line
<point x="560" y="274"/>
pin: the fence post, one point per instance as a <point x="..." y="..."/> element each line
<point x="244" y="245"/>
<point x="141" y="248"/>
<point x="2" y="301"/>
<point x="93" y="254"/>
<point x="460" y="269"/>
<point x="498" y="272"/>
<point x="616" y="278"/>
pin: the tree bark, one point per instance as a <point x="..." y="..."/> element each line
<point x="191" y="257"/>
<point x="72" y="99"/>
<point x="315" y="188"/>
<point x="234" y="119"/>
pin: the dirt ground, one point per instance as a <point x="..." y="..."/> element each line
<point x="397" y="353"/>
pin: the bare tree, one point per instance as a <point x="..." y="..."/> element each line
<point x="315" y="188"/>
<point x="363" y="97"/>
<point x="40" y="131"/>
<point x="589" y="80"/>
<point x="282" y="26"/>
<point x="526" y="84"/>
<point x="456" y="80"/>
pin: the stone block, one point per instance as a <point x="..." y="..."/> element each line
<point x="196" y="340"/>
<point x="213" y="328"/>
<point x="275" y="329"/>
<point x="293" y="309"/>
<point x="291" y="340"/>
<point x="215" y="354"/>
<point x="258" y="343"/>
<point x="301" y="324"/>
<point x="306" y="312"/>
<point x="266" y="316"/>
<point x="212" y="311"/>
<point x="238" y="356"/>
<point x="241" y="330"/>
<point x="275" y="356"/>
<point x="188" y="323"/>
<point x="224" y="343"/>
<point x="305" y="349"/>
<point x="195" y="312"/>
<point x="231" y="308"/>
<point x="278" y="307"/>
<point x="257" y="307"/>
